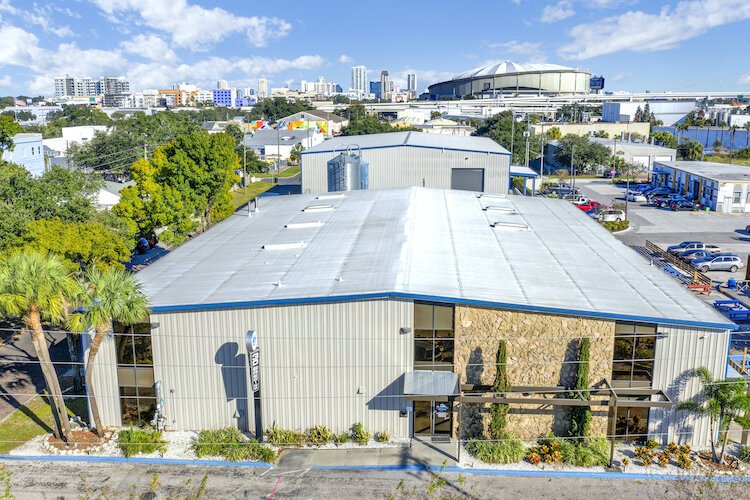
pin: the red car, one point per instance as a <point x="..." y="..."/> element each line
<point x="589" y="205"/>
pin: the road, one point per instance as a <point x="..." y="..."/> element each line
<point x="40" y="480"/>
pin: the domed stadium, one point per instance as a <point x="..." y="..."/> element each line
<point x="513" y="78"/>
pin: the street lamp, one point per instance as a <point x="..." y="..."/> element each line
<point x="633" y="171"/>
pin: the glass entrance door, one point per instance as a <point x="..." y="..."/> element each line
<point x="433" y="418"/>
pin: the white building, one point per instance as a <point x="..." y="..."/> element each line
<point x="80" y="86"/>
<point x="222" y="84"/>
<point x="27" y="152"/>
<point x="669" y="112"/>
<point x="73" y="135"/>
<point x="639" y="153"/>
<point x="272" y="144"/>
<point x="404" y="159"/>
<point x="360" y="85"/>
<point x="321" y="87"/>
<point x="718" y="186"/>
<point x="262" y="87"/>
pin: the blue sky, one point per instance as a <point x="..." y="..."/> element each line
<point x="656" y="45"/>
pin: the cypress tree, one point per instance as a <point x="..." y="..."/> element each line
<point x="580" y="421"/>
<point x="501" y="385"/>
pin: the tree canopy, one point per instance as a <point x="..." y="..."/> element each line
<point x="586" y="154"/>
<point x="665" y="139"/>
<point x="8" y="128"/>
<point x="501" y="129"/>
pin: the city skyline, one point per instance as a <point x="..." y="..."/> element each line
<point x="636" y="45"/>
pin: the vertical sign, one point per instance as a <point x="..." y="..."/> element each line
<point x="253" y="360"/>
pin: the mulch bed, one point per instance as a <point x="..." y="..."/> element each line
<point x="730" y="464"/>
<point x="79" y="440"/>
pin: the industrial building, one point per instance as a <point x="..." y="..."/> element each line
<point x="668" y="112"/>
<point x="405" y="159"/>
<point x="385" y="306"/>
<point x="638" y="153"/>
<point x="718" y="186"/>
<point x="513" y="78"/>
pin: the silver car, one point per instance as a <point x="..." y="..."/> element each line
<point x="718" y="262"/>
<point x="610" y="215"/>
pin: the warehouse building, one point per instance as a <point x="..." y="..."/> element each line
<point x="718" y="186"/>
<point x="387" y="307"/>
<point x="405" y="159"/>
<point x="638" y="153"/>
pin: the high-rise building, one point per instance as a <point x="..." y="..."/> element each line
<point x="321" y="87"/>
<point x="113" y="85"/>
<point x="359" y="79"/>
<point x="385" y="85"/>
<point x="262" y="87"/>
<point x="66" y="86"/>
<point x="222" y="84"/>
<point x="411" y="82"/>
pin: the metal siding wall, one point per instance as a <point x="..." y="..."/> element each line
<point x="677" y="354"/>
<point x="399" y="167"/>
<point x="105" y="380"/>
<point x="313" y="360"/>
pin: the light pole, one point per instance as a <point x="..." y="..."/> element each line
<point x="573" y="168"/>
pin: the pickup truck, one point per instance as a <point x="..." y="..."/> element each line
<point x="687" y="246"/>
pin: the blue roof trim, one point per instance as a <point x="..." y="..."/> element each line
<point x="435" y="298"/>
<point x="405" y="146"/>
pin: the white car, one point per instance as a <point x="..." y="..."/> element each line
<point x="610" y="216"/>
<point x="636" y="196"/>
<point x="579" y="200"/>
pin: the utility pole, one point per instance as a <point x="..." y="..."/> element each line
<point x="512" y="133"/>
<point x="145" y="152"/>
<point x="573" y="168"/>
<point x="244" y="164"/>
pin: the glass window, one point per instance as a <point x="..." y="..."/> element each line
<point x="737" y="194"/>
<point x="433" y="337"/>
<point x="135" y="372"/>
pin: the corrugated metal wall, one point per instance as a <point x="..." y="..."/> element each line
<point x="405" y="166"/>
<point x="105" y="380"/>
<point x="314" y="360"/>
<point x="678" y="352"/>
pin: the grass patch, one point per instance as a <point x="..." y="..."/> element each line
<point x="243" y="195"/>
<point x="34" y="419"/>
<point x="134" y="441"/>
<point x="231" y="444"/>
<point x="508" y="450"/>
<point x="284" y="174"/>
<point x="285" y="437"/>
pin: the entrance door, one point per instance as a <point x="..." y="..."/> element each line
<point x="433" y="419"/>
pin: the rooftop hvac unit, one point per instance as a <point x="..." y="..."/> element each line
<point x="347" y="172"/>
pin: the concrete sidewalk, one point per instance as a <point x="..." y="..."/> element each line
<point x="420" y="453"/>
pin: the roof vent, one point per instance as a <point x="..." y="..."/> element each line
<point x="504" y="210"/>
<point x="331" y="196"/>
<point x="510" y="226"/>
<point x="317" y="208"/>
<point x="485" y="196"/>
<point x="285" y="246"/>
<point x="303" y="225"/>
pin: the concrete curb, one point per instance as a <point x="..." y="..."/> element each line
<point x="120" y="460"/>
<point x="392" y="468"/>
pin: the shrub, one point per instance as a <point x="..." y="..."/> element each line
<point x="685" y="448"/>
<point x="744" y="454"/>
<point x="231" y="444"/>
<point x="134" y="441"/>
<point x="672" y="449"/>
<point x="625" y="461"/>
<point x="284" y="437"/>
<point x="663" y="459"/>
<point x="651" y="444"/>
<point x="534" y="458"/>
<point x="360" y="434"/>
<point x="342" y="438"/>
<point x="318" y="435"/>
<point x="553" y="449"/>
<point x="507" y="450"/>
<point x="597" y="452"/>
<point x="684" y="461"/>
<point x="617" y="226"/>
<point x="500" y="385"/>
<point x="382" y="437"/>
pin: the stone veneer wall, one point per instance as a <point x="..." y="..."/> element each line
<point x="537" y="347"/>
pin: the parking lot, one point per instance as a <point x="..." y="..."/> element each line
<point x="664" y="227"/>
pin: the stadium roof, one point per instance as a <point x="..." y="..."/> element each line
<point x="720" y="172"/>
<point x="413" y="139"/>
<point x="514" y="252"/>
<point x="508" y="67"/>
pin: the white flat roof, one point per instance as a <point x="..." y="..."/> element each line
<point x="413" y="139"/>
<point x="541" y="255"/>
<point x="720" y="172"/>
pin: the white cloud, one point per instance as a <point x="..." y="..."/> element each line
<point x="745" y="79"/>
<point x="619" y="77"/>
<point x="425" y="77"/>
<point x="5" y="6"/>
<point x="149" y="47"/>
<point x="530" y="51"/>
<point x="195" y="27"/>
<point x="6" y="81"/>
<point x="21" y="48"/>
<point x="605" y="4"/>
<point x="642" y="32"/>
<point x="345" y="59"/>
<point x="43" y="21"/>
<point x="557" y="12"/>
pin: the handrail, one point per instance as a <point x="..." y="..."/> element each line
<point x="698" y="278"/>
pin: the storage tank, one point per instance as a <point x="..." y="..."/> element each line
<point x="347" y="172"/>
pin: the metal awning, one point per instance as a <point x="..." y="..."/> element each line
<point x="423" y="385"/>
<point x="522" y="171"/>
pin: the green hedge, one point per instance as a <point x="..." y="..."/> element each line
<point x="135" y="441"/>
<point x="231" y="444"/>
<point x="617" y="226"/>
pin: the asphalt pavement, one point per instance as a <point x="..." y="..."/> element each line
<point x="68" y="480"/>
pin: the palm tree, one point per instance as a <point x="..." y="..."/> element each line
<point x="106" y="296"/>
<point x="723" y="402"/>
<point x="37" y="287"/>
